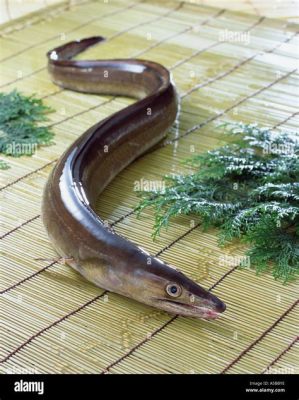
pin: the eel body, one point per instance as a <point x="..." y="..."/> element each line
<point x="78" y="234"/>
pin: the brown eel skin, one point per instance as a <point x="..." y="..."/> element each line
<point x="78" y="234"/>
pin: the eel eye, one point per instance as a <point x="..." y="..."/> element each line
<point x="173" y="290"/>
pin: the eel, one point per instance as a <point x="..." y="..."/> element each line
<point x="78" y="234"/>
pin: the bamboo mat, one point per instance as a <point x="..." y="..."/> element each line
<point x="53" y="319"/>
<point x="287" y="9"/>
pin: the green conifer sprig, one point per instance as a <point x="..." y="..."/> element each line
<point x="21" y="129"/>
<point x="248" y="189"/>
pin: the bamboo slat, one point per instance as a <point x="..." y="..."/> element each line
<point x="54" y="320"/>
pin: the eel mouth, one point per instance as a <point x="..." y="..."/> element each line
<point x="192" y="310"/>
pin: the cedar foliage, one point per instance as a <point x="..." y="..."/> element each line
<point x="21" y="128"/>
<point x="248" y="189"/>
